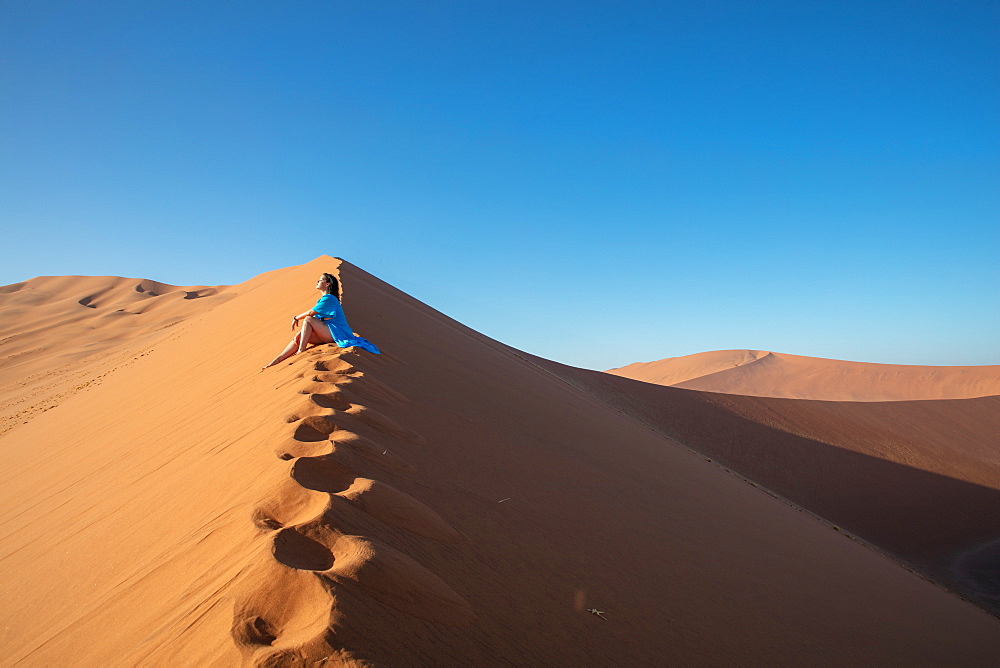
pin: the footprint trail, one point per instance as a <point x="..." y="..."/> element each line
<point x="288" y="613"/>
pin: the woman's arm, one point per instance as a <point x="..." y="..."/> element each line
<point x="296" y="318"/>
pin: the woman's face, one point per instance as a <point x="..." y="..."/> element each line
<point x="322" y="283"/>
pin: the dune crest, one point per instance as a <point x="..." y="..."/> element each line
<point x="767" y="374"/>
<point x="451" y="502"/>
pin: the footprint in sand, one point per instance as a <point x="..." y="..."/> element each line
<point x="320" y="403"/>
<point x="314" y="428"/>
<point x="288" y="505"/>
<point x="388" y="575"/>
<point x="296" y="550"/>
<point x="318" y="428"/>
<point x="335" y="367"/>
<point x="322" y="474"/>
<point x="378" y="499"/>
<point x="334" y="400"/>
<point x="287" y="610"/>
<point x="293" y="449"/>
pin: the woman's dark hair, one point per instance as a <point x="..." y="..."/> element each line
<point x="332" y="285"/>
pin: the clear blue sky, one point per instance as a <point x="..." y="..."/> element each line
<point x="593" y="182"/>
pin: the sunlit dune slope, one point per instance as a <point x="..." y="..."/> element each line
<point x="919" y="479"/>
<point x="59" y="334"/>
<point x="759" y="373"/>
<point x="451" y="502"/>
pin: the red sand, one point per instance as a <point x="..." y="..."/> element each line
<point x="759" y="373"/>
<point x="452" y="502"/>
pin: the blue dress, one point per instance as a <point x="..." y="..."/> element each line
<point x="329" y="310"/>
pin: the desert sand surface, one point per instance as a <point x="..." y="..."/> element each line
<point x="760" y="373"/>
<point x="918" y="479"/>
<point x="59" y="334"/>
<point x="451" y="502"/>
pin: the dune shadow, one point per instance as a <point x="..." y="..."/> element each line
<point x="322" y="474"/>
<point x="944" y="528"/>
<point x="978" y="570"/>
<point x="314" y="428"/>
<point x="334" y="400"/>
<point x="301" y="552"/>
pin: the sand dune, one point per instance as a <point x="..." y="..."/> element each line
<point x="918" y="479"/>
<point x="452" y="502"/>
<point x="60" y="334"/>
<point x="760" y="373"/>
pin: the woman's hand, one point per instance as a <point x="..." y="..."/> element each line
<point x="300" y="316"/>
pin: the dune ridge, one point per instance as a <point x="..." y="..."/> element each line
<point x="768" y="374"/>
<point x="452" y="502"/>
<point x="284" y="619"/>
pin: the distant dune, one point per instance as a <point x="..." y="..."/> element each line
<point x="59" y="334"/>
<point x="451" y="502"/>
<point x="759" y="373"/>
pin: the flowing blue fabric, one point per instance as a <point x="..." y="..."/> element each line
<point x="329" y="310"/>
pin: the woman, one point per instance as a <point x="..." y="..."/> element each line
<point x="323" y="323"/>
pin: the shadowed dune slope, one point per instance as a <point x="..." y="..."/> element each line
<point x="759" y="373"/>
<point x="451" y="502"/>
<point x="919" y="479"/>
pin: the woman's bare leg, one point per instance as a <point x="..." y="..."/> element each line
<point x="289" y="350"/>
<point x="305" y="334"/>
<point x="314" y="331"/>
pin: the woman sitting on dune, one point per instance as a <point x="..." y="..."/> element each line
<point x="323" y="323"/>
